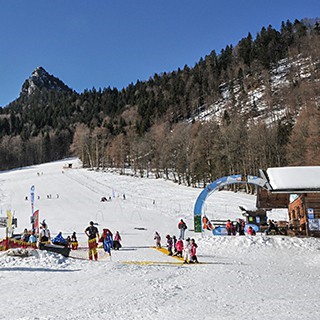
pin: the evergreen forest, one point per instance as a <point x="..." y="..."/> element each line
<point x="154" y="126"/>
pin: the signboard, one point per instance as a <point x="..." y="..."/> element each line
<point x="310" y="212"/>
<point x="3" y="222"/>
<point x="314" y="224"/>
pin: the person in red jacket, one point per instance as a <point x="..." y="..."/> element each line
<point x="251" y="232"/>
<point x="193" y="252"/>
<point x="179" y="248"/>
<point x="182" y="226"/>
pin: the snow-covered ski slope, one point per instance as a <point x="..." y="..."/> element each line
<point x="244" y="277"/>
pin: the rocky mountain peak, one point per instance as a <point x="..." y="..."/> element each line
<point x="41" y="79"/>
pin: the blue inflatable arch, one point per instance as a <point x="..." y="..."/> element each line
<point x="219" y="183"/>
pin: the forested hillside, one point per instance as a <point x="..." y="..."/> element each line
<point x="251" y="106"/>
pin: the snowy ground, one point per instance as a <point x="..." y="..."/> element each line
<point x="244" y="277"/>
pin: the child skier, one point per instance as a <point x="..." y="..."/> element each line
<point x="74" y="241"/>
<point x="179" y="248"/>
<point x="186" y="250"/>
<point x="169" y="244"/>
<point x="158" y="239"/>
<point x="193" y="252"/>
<point x="116" y="241"/>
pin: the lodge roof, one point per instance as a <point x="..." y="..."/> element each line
<point x="293" y="179"/>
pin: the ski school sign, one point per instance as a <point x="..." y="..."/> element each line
<point x="217" y="184"/>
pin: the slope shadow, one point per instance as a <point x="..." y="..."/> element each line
<point x="37" y="269"/>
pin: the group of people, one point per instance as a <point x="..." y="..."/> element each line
<point x="237" y="227"/>
<point x="44" y="237"/>
<point x="180" y="247"/>
<point x="108" y="241"/>
<point x="29" y="236"/>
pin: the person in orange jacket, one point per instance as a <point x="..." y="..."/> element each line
<point x="229" y="227"/>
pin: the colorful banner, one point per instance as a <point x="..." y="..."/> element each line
<point x="32" y="198"/>
<point x="35" y="219"/>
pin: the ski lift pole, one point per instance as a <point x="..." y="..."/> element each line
<point x="7" y="239"/>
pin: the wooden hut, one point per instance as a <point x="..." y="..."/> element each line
<point x="299" y="189"/>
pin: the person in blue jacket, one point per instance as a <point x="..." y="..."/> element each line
<point x="60" y="240"/>
<point x="107" y="240"/>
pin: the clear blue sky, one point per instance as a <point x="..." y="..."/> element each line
<point x="101" y="43"/>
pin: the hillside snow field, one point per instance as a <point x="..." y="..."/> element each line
<point x="240" y="277"/>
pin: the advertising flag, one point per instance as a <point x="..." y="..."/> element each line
<point x="35" y="224"/>
<point x="32" y="198"/>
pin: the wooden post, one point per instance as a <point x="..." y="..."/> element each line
<point x="305" y="214"/>
<point x="7" y="239"/>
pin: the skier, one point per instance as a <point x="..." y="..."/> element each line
<point x="74" y="241"/>
<point x="158" y="239"/>
<point x="193" y="252"/>
<point x="240" y="227"/>
<point x="251" y="232"/>
<point x="33" y="239"/>
<point x="179" y="248"/>
<point x="25" y="236"/>
<point x="272" y="226"/>
<point x="186" y="250"/>
<point x="174" y="240"/>
<point x="169" y="244"/>
<point x="229" y="227"/>
<point x="116" y="241"/>
<point x="59" y="240"/>
<point x="182" y="227"/>
<point x="92" y="233"/>
<point x="107" y="240"/>
<point x="44" y="233"/>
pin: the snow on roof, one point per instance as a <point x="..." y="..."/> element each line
<point x="294" y="178"/>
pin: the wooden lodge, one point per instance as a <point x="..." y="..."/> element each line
<point x="298" y="190"/>
<point x="304" y="214"/>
